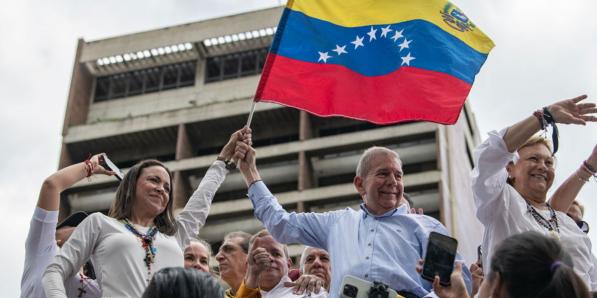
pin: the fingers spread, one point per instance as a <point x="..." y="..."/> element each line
<point x="589" y="118"/>
<point x="588" y="110"/>
<point x="579" y="98"/>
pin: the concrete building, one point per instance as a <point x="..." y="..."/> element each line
<point x="177" y="93"/>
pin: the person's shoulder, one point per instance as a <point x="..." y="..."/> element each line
<point x="426" y="220"/>
<point x="99" y="218"/>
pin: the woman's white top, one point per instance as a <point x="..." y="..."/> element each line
<point x="40" y="249"/>
<point x="117" y="254"/>
<point x="503" y="211"/>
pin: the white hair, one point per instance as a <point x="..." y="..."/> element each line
<point x="364" y="164"/>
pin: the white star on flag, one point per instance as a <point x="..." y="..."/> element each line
<point x="371" y="34"/>
<point x="405" y="43"/>
<point x="397" y="35"/>
<point x="340" y="50"/>
<point x="323" y="56"/>
<point x="385" y="30"/>
<point x="407" y="59"/>
<point x="358" y="42"/>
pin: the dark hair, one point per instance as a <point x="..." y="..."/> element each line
<point x="533" y="265"/>
<point x="178" y="282"/>
<point x="240" y="234"/>
<point x="122" y="206"/>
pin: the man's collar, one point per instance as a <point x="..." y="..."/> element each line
<point x="402" y="209"/>
<point x="280" y="284"/>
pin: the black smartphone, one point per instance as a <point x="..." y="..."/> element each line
<point x="105" y="162"/>
<point x="479" y="256"/>
<point x="439" y="259"/>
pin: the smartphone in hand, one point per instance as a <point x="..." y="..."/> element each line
<point x="354" y="287"/>
<point x="479" y="256"/>
<point x="105" y="162"/>
<point x="439" y="259"/>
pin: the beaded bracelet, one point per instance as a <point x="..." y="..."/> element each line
<point x="539" y="115"/>
<point x="89" y="167"/>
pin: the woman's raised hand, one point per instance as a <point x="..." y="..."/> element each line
<point x="241" y="135"/>
<point x="571" y="111"/>
<point x="97" y="168"/>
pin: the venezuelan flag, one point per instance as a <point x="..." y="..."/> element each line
<point x="383" y="61"/>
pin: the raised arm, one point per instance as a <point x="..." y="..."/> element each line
<point x="563" y="197"/>
<point x="195" y="212"/>
<point x="40" y="245"/>
<point x="569" y="111"/>
<point x="49" y="196"/>
<point x="286" y="227"/>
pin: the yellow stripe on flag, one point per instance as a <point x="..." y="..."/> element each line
<point x="356" y="13"/>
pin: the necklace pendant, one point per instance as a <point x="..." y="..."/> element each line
<point x="554" y="234"/>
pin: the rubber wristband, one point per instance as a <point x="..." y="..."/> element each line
<point x="254" y="182"/>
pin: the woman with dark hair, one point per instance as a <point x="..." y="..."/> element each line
<point x="515" y="168"/>
<point x="140" y="236"/>
<point x="526" y="265"/>
<point x="180" y="282"/>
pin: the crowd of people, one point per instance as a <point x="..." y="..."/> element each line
<point x="533" y="246"/>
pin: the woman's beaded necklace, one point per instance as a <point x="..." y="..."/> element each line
<point x="552" y="224"/>
<point x="146" y="243"/>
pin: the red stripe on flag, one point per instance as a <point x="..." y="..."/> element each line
<point x="405" y="95"/>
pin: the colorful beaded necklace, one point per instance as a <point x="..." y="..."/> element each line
<point x="146" y="243"/>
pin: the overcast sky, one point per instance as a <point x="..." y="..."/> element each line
<point x="545" y="51"/>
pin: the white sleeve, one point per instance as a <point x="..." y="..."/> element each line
<point x="593" y="274"/>
<point x="195" y="212"/>
<point x="40" y="248"/>
<point x="74" y="253"/>
<point x="489" y="177"/>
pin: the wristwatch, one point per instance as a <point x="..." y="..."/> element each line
<point x="230" y="165"/>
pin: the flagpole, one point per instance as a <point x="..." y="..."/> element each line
<point x="233" y="163"/>
<point x="251" y="114"/>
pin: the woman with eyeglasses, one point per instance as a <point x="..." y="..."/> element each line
<point x="513" y="173"/>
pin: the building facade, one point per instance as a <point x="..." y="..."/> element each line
<point x="177" y="93"/>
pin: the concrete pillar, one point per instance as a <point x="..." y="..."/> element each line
<point x="305" y="178"/>
<point x="80" y="92"/>
<point x="184" y="149"/>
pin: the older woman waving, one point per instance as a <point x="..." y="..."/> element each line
<point x="140" y="236"/>
<point x="514" y="170"/>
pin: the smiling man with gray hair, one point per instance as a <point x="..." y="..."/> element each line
<point x="381" y="241"/>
